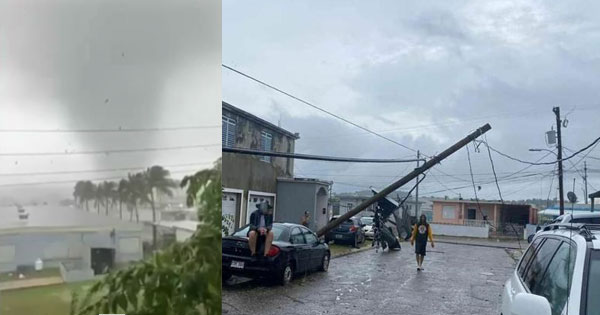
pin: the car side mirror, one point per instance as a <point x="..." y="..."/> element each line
<point x="527" y="303"/>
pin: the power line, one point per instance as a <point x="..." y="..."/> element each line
<point x="314" y="157"/>
<point x="95" y="170"/>
<point x="547" y="163"/>
<point x="317" y="107"/>
<point x="109" y="130"/>
<point x="111" y="151"/>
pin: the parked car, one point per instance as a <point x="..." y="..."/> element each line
<point x="586" y="217"/>
<point x="295" y="249"/>
<point x="558" y="274"/>
<point x="368" y="226"/>
<point x="348" y="232"/>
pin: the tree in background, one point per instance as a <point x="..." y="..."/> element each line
<point x="183" y="279"/>
<point x="123" y="194"/>
<point x="157" y="179"/>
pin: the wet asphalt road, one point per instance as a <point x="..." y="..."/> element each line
<point x="458" y="279"/>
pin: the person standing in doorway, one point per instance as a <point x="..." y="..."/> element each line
<point x="261" y="224"/>
<point x="421" y="232"/>
<point x="305" y="219"/>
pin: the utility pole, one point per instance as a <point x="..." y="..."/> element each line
<point x="404" y="180"/>
<point x="585" y="180"/>
<point x="561" y="197"/>
<point x="417" y="189"/>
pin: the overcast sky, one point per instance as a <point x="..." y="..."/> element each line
<point x="105" y="65"/>
<point x="424" y="74"/>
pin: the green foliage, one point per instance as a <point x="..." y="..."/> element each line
<point x="183" y="279"/>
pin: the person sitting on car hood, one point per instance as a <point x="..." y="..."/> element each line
<point x="261" y="223"/>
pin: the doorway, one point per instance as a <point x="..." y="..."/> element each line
<point x="103" y="260"/>
<point x="471" y="214"/>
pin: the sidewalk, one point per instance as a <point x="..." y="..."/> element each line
<point x="28" y="283"/>
<point x="485" y="242"/>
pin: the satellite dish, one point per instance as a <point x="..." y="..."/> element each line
<point x="572" y="197"/>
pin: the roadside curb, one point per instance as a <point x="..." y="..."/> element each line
<point x="353" y="252"/>
<point x="479" y="245"/>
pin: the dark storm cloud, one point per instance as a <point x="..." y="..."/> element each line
<point x="424" y="74"/>
<point x="111" y="64"/>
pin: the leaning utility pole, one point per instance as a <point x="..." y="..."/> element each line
<point x="585" y="180"/>
<point x="404" y="180"/>
<point x="417" y="189"/>
<point x="561" y="197"/>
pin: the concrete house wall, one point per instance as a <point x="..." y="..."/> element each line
<point x="299" y="195"/>
<point x="53" y="247"/>
<point x="247" y="177"/>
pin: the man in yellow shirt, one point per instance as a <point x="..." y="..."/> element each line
<point x="421" y="231"/>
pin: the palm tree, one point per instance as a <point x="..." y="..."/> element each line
<point x="157" y="180"/>
<point x="99" y="197"/>
<point x="123" y="194"/>
<point x="137" y="191"/>
<point x="78" y="192"/>
<point x="108" y="192"/>
<point x="88" y="192"/>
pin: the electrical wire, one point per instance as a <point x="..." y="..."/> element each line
<point x="547" y="163"/>
<point x="111" y="151"/>
<point x="318" y="108"/>
<point x="96" y="170"/>
<point x="109" y="130"/>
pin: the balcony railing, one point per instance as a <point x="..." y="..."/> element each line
<point x="465" y="222"/>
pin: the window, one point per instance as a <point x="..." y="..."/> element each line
<point x="266" y="142"/>
<point x="297" y="237"/>
<point x="593" y="282"/>
<point x="528" y="254"/>
<point x="310" y="237"/>
<point x="555" y="283"/>
<point x="539" y="262"/>
<point x="449" y="212"/>
<point x="228" y="132"/>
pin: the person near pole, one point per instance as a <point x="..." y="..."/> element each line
<point x="421" y="232"/>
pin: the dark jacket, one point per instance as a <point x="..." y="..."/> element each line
<point x="255" y="220"/>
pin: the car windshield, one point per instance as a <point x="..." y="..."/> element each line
<point x="593" y="283"/>
<point x="366" y="220"/>
<point x="277" y="232"/>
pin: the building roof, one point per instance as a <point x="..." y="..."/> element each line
<point x="305" y="180"/>
<point x="487" y="202"/>
<point x="188" y="225"/>
<point x="258" y="120"/>
<point x="59" y="218"/>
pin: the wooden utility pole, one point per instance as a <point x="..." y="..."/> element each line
<point x="585" y="180"/>
<point x="417" y="189"/>
<point x="404" y="180"/>
<point x="561" y="197"/>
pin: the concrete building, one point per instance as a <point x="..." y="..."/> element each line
<point x="249" y="180"/>
<point x="296" y="195"/>
<point x="80" y="243"/>
<point x="471" y="212"/>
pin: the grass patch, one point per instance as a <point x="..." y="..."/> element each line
<point x="340" y="249"/>
<point x="46" y="300"/>
<point x="44" y="273"/>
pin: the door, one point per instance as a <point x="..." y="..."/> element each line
<point x="229" y="208"/>
<point x="471" y="214"/>
<point x="316" y="251"/>
<point x="301" y="248"/>
<point x="102" y="260"/>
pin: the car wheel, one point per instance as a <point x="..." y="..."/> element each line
<point x="286" y="274"/>
<point x="324" y="263"/>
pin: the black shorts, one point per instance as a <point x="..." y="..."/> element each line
<point x="420" y="248"/>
